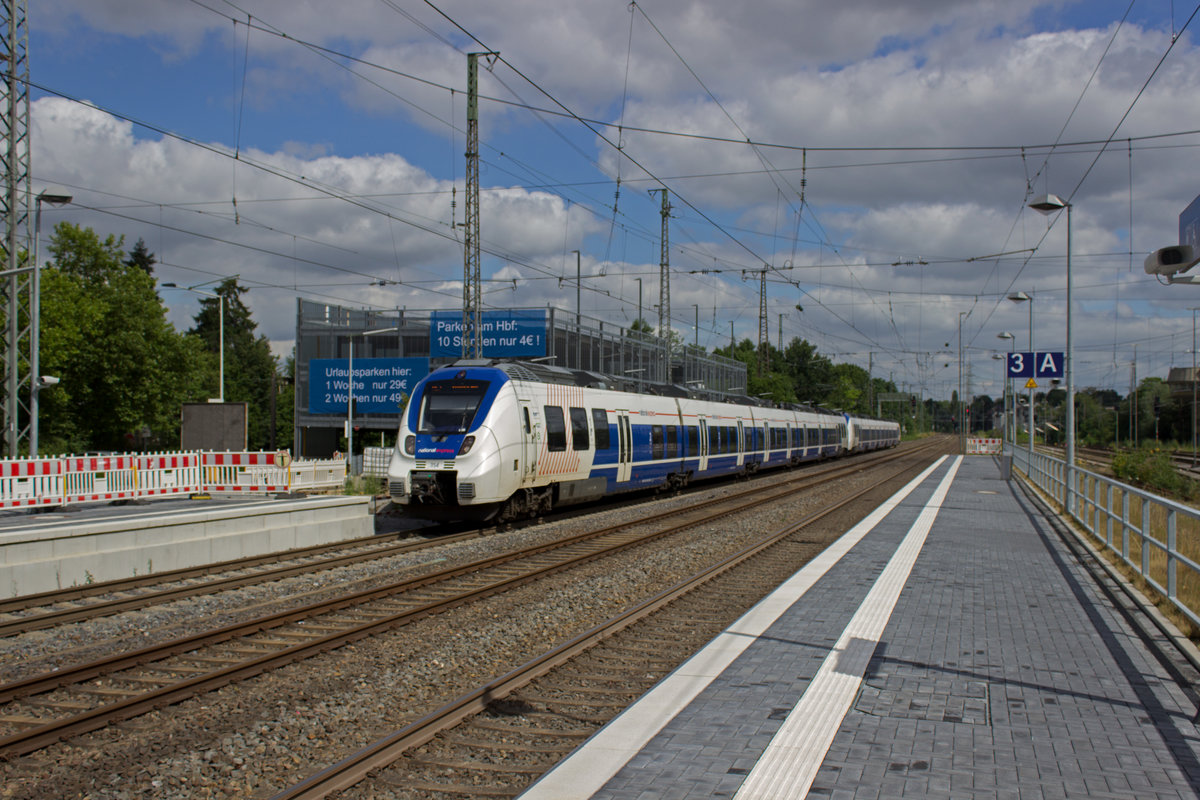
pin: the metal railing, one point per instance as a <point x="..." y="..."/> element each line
<point x="1156" y="537"/>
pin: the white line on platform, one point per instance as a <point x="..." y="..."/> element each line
<point x="585" y="772"/>
<point x="788" y="766"/>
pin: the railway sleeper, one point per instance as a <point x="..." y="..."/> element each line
<point x="458" y="740"/>
<point x="442" y="788"/>
<point x="21" y="720"/>
<point x="494" y="724"/>
<point x="555" y="704"/>
<point x="103" y="691"/>
<point x="448" y="761"/>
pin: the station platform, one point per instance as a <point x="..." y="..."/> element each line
<point x="950" y="645"/>
<point x="55" y="549"/>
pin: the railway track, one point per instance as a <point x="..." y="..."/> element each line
<point x="499" y="737"/>
<point x="43" y="709"/>
<point x="42" y="611"/>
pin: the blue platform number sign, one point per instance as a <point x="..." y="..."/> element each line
<point x="1035" y="365"/>
<point x="1049" y="365"/>
<point x="381" y="385"/>
<point x="506" y="334"/>
<point x="1020" y="365"/>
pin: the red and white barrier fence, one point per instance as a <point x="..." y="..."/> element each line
<point x="984" y="447"/>
<point x="31" y="482"/>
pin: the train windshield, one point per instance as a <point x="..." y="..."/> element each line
<point x="450" y="406"/>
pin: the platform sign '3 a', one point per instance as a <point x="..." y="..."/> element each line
<point x="1035" y="365"/>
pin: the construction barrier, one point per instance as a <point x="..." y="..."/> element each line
<point x="169" y="474"/>
<point x="54" y="481"/>
<point x="984" y="447"/>
<point x="31" y="482"/>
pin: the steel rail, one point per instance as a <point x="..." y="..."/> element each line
<point x="35" y="738"/>
<point x="78" y="673"/>
<point x="351" y="770"/>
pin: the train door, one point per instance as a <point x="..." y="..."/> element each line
<point x="624" y="447"/>
<point x="530" y="435"/>
<point x="742" y="444"/>
<point x="703" y="445"/>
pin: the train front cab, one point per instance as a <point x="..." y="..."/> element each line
<point x="450" y="455"/>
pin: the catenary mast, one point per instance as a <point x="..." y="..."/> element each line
<point x="17" y="286"/>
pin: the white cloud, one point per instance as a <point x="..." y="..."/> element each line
<point x="866" y="74"/>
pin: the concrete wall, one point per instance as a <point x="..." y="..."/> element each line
<point x="45" y="556"/>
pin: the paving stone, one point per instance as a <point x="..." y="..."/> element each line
<point x="1002" y="672"/>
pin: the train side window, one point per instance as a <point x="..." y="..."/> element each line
<point x="672" y="441"/>
<point x="600" y="423"/>
<point x="693" y="441"/>
<point x="656" y="441"/>
<point x="579" y="431"/>
<point x="556" y="429"/>
<point x="528" y="427"/>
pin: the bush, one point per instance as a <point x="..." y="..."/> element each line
<point x="1152" y="468"/>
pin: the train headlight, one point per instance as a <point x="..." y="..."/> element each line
<point x="410" y="445"/>
<point x="468" y="443"/>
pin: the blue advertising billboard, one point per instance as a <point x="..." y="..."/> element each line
<point x="506" y="334"/>
<point x="381" y="385"/>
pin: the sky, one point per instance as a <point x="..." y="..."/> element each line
<point x="874" y="157"/>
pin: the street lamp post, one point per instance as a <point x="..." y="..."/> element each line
<point x="1049" y="204"/>
<point x="962" y="422"/>
<point x="1194" y="310"/>
<point x="1004" y="359"/>
<point x="578" y="313"/>
<point x="220" y="329"/>
<point x="35" y="314"/>
<point x="1012" y="341"/>
<point x="1022" y="297"/>
<point x="350" y="398"/>
<point x="641" y="345"/>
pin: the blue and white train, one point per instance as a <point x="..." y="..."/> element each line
<point x="487" y="440"/>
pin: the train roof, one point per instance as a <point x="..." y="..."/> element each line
<point x="548" y="373"/>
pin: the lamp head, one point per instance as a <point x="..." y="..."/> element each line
<point x="54" y="198"/>
<point x="1049" y="203"/>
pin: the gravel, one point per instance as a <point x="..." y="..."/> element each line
<point x="255" y="738"/>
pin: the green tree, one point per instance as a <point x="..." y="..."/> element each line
<point x="123" y="368"/>
<point x="1094" y="423"/>
<point x="811" y="373"/>
<point x="849" y="384"/>
<point x="141" y="257"/>
<point x="250" y="368"/>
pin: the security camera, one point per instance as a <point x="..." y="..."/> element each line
<point x="46" y="380"/>
<point x="1172" y="260"/>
